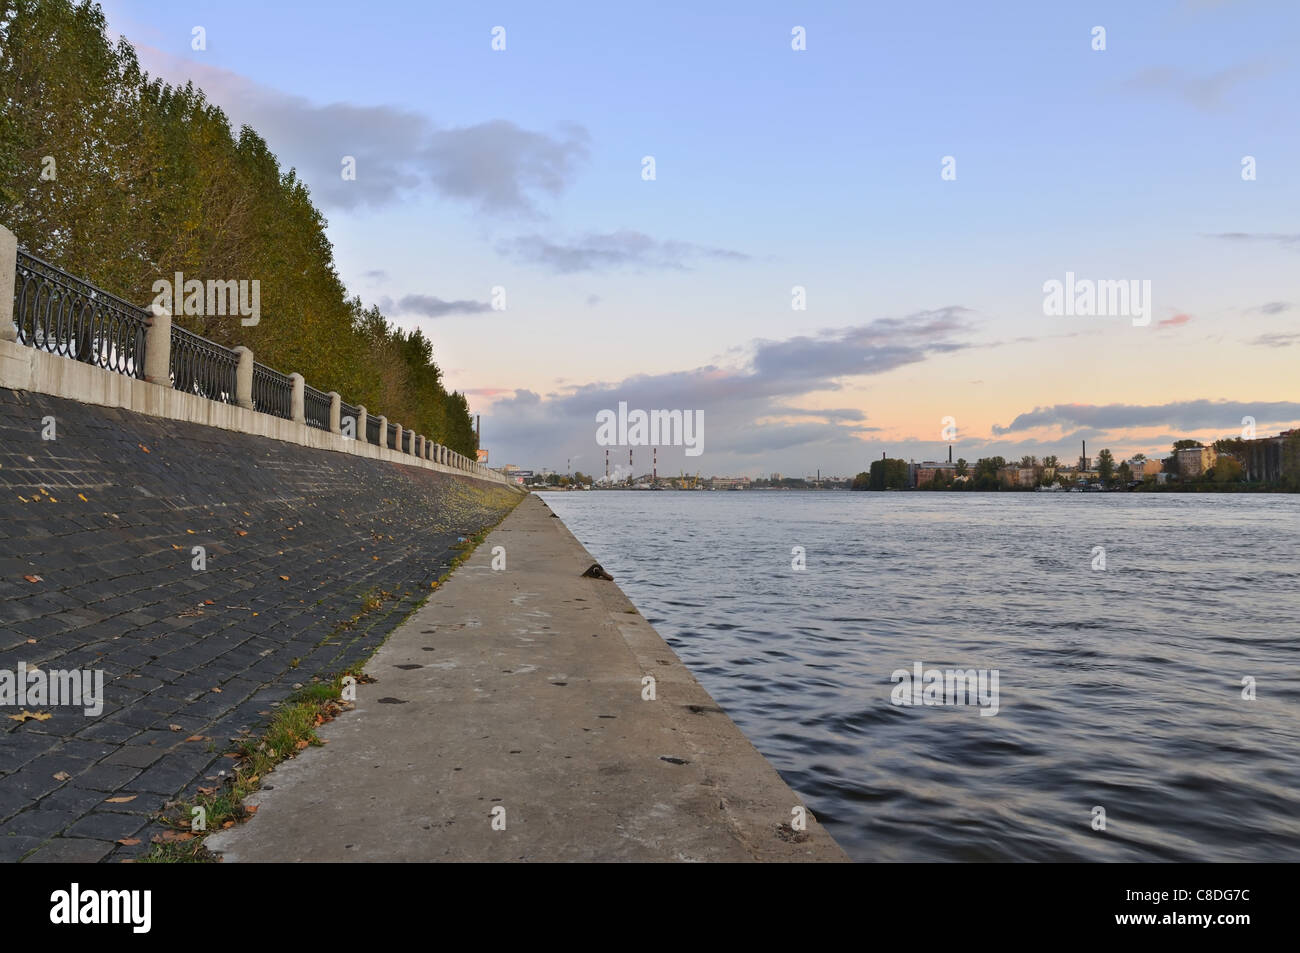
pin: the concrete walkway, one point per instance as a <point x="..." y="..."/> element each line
<point x="522" y="690"/>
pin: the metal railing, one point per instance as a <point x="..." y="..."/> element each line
<point x="272" y="392"/>
<point x="202" y="367"/>
<point x="316" y="408"/>
<point x="347" y="410"/>
<point x="64" y="315"/>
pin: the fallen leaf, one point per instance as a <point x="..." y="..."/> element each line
<point x="122" y="800"/>
<point x="250" y="808"/>
<point x="63" y="776"/>
<point x="84" y="500"/>
<point x="129" y="841"/>
<point x="217" y="690"/>
<point x="175" y="727"/>
<point x="144" y="448"/>
<point x="31" y="641"/>
<point x="194" y="738"/>
<point x="300" y="745"/>
<point x="33" y="578"/>
<point x="207" y="792"/>
<point x="228" y="824"/>
<point x="285" y="578"/>
<point x="171" y="836"/>
<point x="190" y="531"/>
<point x="26" y="715"/>
<point x="240" y="532"/>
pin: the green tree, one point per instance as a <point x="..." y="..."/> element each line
<point x="961" y="468"/>
<point x="149" y="179"/>
<point x="1106" y="468"/>
<point x="889" y="474"/>
<point x="1227" y="470"/>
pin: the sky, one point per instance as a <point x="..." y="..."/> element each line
<point x="914" y="176"/>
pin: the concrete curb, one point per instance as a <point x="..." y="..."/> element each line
<point x="522" y="689"/>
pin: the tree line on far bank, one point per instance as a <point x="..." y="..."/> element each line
<point x="1227" y="473"/>
<point x="123" y="180"/>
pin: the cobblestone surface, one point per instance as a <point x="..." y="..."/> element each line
<point x="97" y="572"/>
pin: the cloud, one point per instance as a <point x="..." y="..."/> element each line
<point x="1285" y="240"/>
<point x="1179" y="415"/>
<point x="753" y="408"/>
<point x="495" y="166"/>
<point x="1174" y="322"/>
<point x="1276" y="340"/>
<point x="375" y="274"/>
<point x="1273" y="307"/>
<point x="601" y="252"/>
<point x="593" y="300"/>
<point x="1209" y="93"/>
<point x="431" y="307"/>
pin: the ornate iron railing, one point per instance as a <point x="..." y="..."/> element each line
<point x="347" y="410"/>
<point x="272" y="392"/>
<point x="316" y="408"/>
<point x="64" y="315"/>
<point x="202" y="367"/>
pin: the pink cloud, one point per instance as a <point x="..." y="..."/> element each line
<point x="1174" y="321"/>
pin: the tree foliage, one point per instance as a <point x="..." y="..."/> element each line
<point x="150" y="179"/>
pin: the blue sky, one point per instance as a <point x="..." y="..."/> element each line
<point x="821" y="168"/>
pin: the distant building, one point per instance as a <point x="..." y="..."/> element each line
<point x="1265" y="458"/>
<point x="1194" y="461"/>
<point x="776" y="478"/>
<point x="729" y="483"/>
<point x="924" y="473"/>
<point x="1145" y="468"/>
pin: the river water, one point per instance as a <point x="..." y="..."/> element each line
<point x="1119" y="688"/>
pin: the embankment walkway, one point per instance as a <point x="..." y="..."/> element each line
<point x="508" y="723"/>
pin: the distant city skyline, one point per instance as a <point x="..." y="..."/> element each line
<point x="915" y="177"/>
